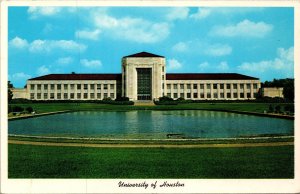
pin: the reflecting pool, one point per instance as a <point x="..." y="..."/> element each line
<point x="151" y="124"/>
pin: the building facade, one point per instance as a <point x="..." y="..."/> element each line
<point x="143" y="77"/>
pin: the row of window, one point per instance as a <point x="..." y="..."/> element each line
<point x="65" y="96"/>
<point x="209" y="95"/>
<point x="71" y="86"/>
<point x="215" y="86"/>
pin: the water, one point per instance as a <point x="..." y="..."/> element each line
<point x="151" y="124"/>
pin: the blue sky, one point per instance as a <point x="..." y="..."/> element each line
<point x="254" y="41"/>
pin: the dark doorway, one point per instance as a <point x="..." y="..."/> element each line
<point x="144" y="83"/>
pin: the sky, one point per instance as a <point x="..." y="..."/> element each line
<point x="255" y="41"/>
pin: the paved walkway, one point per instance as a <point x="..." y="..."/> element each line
<point x="151" y="145"/>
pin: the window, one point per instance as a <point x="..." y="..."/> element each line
<point x="234" y="95"/>
<point x="98" y="86"/>
<point x="85" y="95"/>
<point x="242" y="95"/>
<point x="45" y="86"/>
<point x="248" y="86"/>
<point x="78" y="95"/>
<point x="228" y="95"/>
<point x="99" y="95"/>
<point x="163" y="86"/>
<point x="254" y="86"/>
<point x="92" y="86"/>
<point x="215" y="95"/>
<point x="163" y="69"/>
<point x="221" y="86"/>
<point x="112" y="86"/>
<point x="85" y="86"/>
<point x="169" y="95"/>
<point x="112" y="95"/>
<point x="39" y="86"/>
<point x="188" y="95"/>
<point x="52" y="86"/>
<point x="72" y="86"/>
<point x="195" y="95"/>
<point x="52" y="96"/>
<point x="221" y="95"/>
<point x="201" y="95"/>
<point x="234" y="86"/>
<point x="227" y="86"/>
<point x="58" y="86"/>
<point x="45" y="95"/>
<point x="208" y="86"/>
<point x="195" y="86"/>
<point x="188" y="86"/>
<point x="208" y="95"/>
<point x="65" y="95"/>
<point x="39" y="96"/>
<point x="181" y="86"/>
<point x="105" y="87"/>
<point x="78" y="86"/>
<point x="175" y="86"/>
<point x="215" y="86"/>
<point x="248" y="95"/>
<point x="175" y="95"/>
<point x="181" y="95"/>
<point x="92" y="95"/>
<point x="31" y="96"/>
<point x="32" y="86"/>
<point x="72" y="95"/>
<point x="201" y="86"/>
<point x="168" y="86"/>
<point x="105" y="95"/>
<point x="241" y="86"/>
<point x="65" y="86"/>
<point x="163" y="77"/>
<point x="58" y="95"/>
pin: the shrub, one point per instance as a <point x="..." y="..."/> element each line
<point x="289" y="108"/>
<point x="119" y="98"/>
<point x="165" y="102"/>
<point x="271" y="108"/>
<point x="29" y="109"/>
<point x="181" y="99"/>
<point x="17" y="109"/>
<point x="278" y="109"/>
<point x="164" y="99"/>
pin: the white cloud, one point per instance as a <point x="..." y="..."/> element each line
<point x="86" y="34"/>
<point x="64" y="60"/>
<point x="41" y="46"/>
<point x="180" y="47"/>
<point x="282" y="64"/>
<point x="214" y="68"/>
<point x="19" y="76"/>
<point x="18" y="43"/>
<point x="218" y="50"/>
<point x="91" y="63"/>
<point x="131" y="29"/>
<point x="201" y="13"/>
<point x="177" y="13"/>
<point x="42" y="70"/>
<point x="203" y="48"/>
<point x="245" y="28"/>
<point x="174" y="64"/>
<point x="36" y="12"/>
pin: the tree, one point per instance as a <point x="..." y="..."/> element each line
<point x="9" y="92"/>
<point x="289" y="90"/>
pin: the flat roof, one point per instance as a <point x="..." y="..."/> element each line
<point x="79" y="77"/>
<point x="208" y="76"/>
<point x="169" y="76"/>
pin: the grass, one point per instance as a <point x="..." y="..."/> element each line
<point x="28" y="161"/>
<point x="243" y="106"/>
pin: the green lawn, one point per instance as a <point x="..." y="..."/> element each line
<point x="27" y="161"/>
<point x="242" y="106"/>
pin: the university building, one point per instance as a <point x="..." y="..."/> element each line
<point x="143" y="77"/>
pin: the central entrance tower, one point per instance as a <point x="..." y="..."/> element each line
<point x="143" y="76"/>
